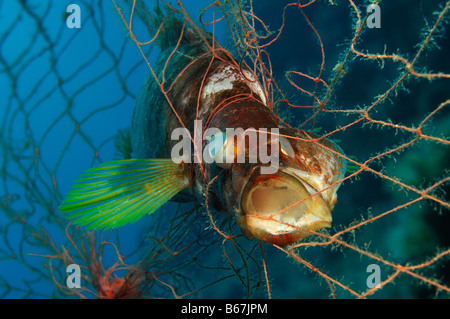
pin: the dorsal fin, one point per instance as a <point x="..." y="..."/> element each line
<point x="123" y="144"/>
<point x="169" y="23"/>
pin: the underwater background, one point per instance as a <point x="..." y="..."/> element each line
<point x="66" y="93"/>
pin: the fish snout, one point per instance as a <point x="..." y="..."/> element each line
<point x="281" y="209"/>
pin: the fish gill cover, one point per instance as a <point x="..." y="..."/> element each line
<point x="380" y="91"/>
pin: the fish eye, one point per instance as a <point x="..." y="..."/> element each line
<point x="286" y="147"/>
<point x="216" y="144"/>
<point x="220" y="150"/>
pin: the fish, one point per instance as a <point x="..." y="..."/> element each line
<point x="200" y="82"/>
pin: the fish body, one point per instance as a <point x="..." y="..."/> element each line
<point x="196" y="85"/>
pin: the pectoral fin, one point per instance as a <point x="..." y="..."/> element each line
<point x="121" y="192"/>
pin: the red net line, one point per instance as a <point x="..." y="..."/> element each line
<point x="180" y="244"/>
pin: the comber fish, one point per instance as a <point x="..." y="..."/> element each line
<point x="279" y="208"/>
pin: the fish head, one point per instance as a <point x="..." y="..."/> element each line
<point x="281" y="205"/>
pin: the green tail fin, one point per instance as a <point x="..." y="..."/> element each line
<point x="121" y="192"/>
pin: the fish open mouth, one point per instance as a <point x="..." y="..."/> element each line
<point x="281" y="209"/>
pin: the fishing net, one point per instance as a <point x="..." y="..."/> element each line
<point x="380" y="93"/>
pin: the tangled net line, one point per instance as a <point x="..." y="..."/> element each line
<point x="179" y="244"/>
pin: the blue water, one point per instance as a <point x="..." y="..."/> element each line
<point x="53" y="78"/>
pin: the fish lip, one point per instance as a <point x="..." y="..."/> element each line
<point x="278" y="231"/>
<point x="254" y="173"/>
